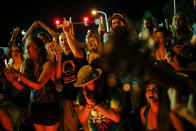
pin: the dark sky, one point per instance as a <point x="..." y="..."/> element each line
<point x="22" y="14"/>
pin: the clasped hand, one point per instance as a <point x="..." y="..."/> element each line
<point x="11" y="73"/>
<point x="88" y="100"/>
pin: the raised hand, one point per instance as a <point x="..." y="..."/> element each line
<point x="15" y="31"/>
<point x="101" y="28"/>
<point x="67" y="25"/>
<point x="8" y="73"/>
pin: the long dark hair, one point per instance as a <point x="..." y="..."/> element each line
<point x="99" y="95"/>
<point x="186" y="28"/>
<point x="163" y="118"/>
<point x="101" y="90"/>
<point x="20" y="47"/>
<point x="28" y="65"/>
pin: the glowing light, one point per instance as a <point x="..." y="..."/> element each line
<point x="86" y="19"/>
<point x="94" y="12"/>
<point x="57" y="22"/>
<point x="23" y="32"/>
<point x="126" y="87"/>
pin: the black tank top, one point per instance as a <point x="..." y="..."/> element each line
<point x="46" y="94"/>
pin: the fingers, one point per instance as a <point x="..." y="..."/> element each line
<point x="67" y="22"/>
<point x="64" y="20"/>
<point x="8" y="74"/>
<point x="17" y="29"/>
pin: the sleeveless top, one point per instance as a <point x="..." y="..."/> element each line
<point x="46" y="94"/>
<point x="161" y="62"/>
<point x="171" y="127"/>
<point x="146" y="119"/>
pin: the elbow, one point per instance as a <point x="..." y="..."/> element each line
<point x="82" y="119"/>
<point x="38" y="86"/>
<point x="117" y="119"/>
<point x="20" y="88"/>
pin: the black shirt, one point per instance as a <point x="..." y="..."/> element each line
<point x="70" y="67"/>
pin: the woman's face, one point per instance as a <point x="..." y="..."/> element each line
<point x="159" y="38"/>
<point x="16" y="53"/>
<point x="32" y="50"/>
<point x="50" y="47"/>
<point x="152" y="93"/>
<point x="92" y="43"/>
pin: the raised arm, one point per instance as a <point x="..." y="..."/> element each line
<point x="12" y="40"/>
<point x="51" y="31"/>
<point x="59" y="51"/>
<point x="73" y="43"/>
<point x="100" y="47"/>
<point x="101" y="31"/>
<point x="33" y="26"/>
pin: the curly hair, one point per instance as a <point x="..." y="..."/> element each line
<point x="186" y="28"/>
<point x="28" y="65"/>
<point x="163" y="118"/>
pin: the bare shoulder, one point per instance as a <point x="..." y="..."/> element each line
<point x="49" y="64"/>
<point x="142" y="110"/>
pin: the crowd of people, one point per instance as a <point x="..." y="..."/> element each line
<point x="122" y="80"/>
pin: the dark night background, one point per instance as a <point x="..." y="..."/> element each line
<point x="23" y="13"/>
